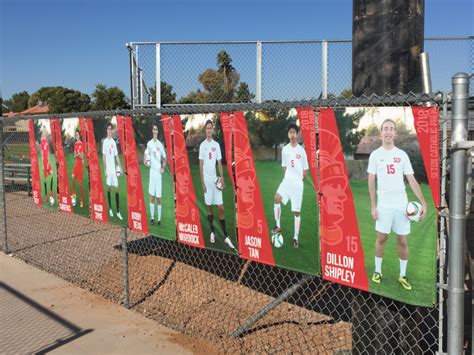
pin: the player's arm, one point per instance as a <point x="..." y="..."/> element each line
<point x="201" y="173"/>
<point x="117" y="159"/>
<point x="415" y="187"/>
<point x="373" y="204"/>
<point x="305" y="173"/>
<point x="104" y="159"/>
<point x="145" y="153"/>
<point x="219" y="168"/>
<point x="163" y="165"/>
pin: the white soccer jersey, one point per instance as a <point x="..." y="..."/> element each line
<point x="210" y="152"/>
<point x="156" y="152"/>
<point x="390" y="166"/>
<point x="295" y="161"/>
<point x="109" y="149"/>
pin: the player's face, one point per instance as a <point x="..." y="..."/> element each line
<point x="293" y="136"/>
<point x="43" y="133"/>
<point x="388" y="132"/>
<point x="109" y="131"/>
<point x="209" y="129"/>
<point x="78" y="136"/>
<point x="155" y="132"/>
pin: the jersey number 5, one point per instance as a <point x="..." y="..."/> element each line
<point x="292" y="162"/>
<point x="390" y="169"/>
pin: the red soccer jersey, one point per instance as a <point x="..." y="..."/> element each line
<point x="78" y="149"/>
<point x="44" y="150"/>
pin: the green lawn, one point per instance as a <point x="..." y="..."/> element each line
<point x="421" y="269"/>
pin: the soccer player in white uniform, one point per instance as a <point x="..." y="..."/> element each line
<point x="295" y="165"/>
<point x="209" y="155"/>
<point x="155" y="158"/>
<point x="390" y="164"/>
<point x="110" y="156"/>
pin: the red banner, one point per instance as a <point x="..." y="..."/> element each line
<point x="167" y="122"/>
<point x="137" y="220"/>
<point x="227" y="124"/>
<point x="96" y="188"/>
<point x="427" y="131"/>
<point x="187" y="214"/>
<point x="307" y="120"/>
<point x="254" y="240"/>
<point x="35" y="175"/>
<point x="342" y="256"/>
<point x="63" y="181"/>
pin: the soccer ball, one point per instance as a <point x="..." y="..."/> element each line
<point x="51" y="200"/>
<point x="73" y="201"/>
<point x="219" y="184"/>
<point x="118" y="170"/>
<point x="413" y="211"/>
<point x="147" y="160"/>
<point x="277" y="240"/>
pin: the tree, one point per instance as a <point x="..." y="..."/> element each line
<point x="108" y="98"/>
<point x="243" y="93"/>
<point x="18" y="102"/>
<point x="347" y="125"/>
<point x="167" y="94"/>
<point x="60" y="99"/>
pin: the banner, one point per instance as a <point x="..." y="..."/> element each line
<point x="135" y="202"/>
<point x="253" y="231"/>
<point x="227" y="124"/>
<point x="342" y="256"/>
<point x="167" y="123"/>
<point x="35" y="175"/>
<point x="187" y="214"/>
<point x="63" y="181"/>
<point x="98" y="207"/>
<point x="307" y="121"/>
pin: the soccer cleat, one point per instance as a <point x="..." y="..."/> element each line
<point x="111" y="213"/>
<point x="159" y="223"/>
<point x="228" y="242"/>
<point x="296" y="243"/>
<point x="81" y="204"/>
<point x="377" y="277"/>
<point x="152" y="222"/>
<point x="404" y="283"/>
<point x="212" y="237"/>
<point x="276" y="230"/>
<point x="119" y="216"/>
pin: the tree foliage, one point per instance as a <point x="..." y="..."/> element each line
<point x="108" y="98"/>
<point x="347" y="125"/>
<point x="167" y="94"/>
<point x="60" y="99"/>
<point x="17" y="103"/>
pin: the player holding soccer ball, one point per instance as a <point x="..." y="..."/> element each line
<point x="47" y="169"/>
<point x="295" y="166"/>
<point x="110" y="156"/>
<point x="154" y="157"/>
<point x="209" y="154"/>
<point x="77" y="172"/>
<point x="390" y="164"/>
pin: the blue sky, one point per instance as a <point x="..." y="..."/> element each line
<point x="78" y="44"/>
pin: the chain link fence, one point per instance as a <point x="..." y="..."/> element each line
<point x="270" y="70"/>
<point x="209" y="294"/>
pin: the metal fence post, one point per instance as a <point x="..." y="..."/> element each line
<point x="258" y="85"/>
<point x="158" y="76"/>
<point x="4" y="205"/>
<point x="324" y="69"/>
<point x="126" y="303"/>
<point x="132" y="70"/>
<point x="457" y="214"/>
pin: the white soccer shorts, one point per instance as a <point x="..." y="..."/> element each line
<point x="392" y="219"/>
<point x="213" y="195"/>
<point x="112" y="178"/>
<point x="154" y="187"/>
<point x="291" y="190"/>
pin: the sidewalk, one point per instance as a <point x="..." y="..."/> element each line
<point x="41" y="313"/>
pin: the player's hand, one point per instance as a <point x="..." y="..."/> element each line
<point x="424" y="210"/>
<point x="162" y="170"/>
<point x="106" y="174"/>
<point x="204" y="188"/>
<point x="223" y="183"/>
<point x="374" y="213"/>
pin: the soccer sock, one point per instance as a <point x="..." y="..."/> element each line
<point x="210" y="218"/>
<point x="45" y="188"/>
<point x="51" y="186"/>
<point x="117" y="202"/>
<point x="378" y="265"/>
<point x="277" y="213"/>
<point x="297" y="226"/>
<point x="223" y="226"/>
<point x="403" y="267"/>
<point x="159" y="213"/>
<point x="152" y="210"/>
<point x="82" y="192"/>
<point x="108" y="199"/>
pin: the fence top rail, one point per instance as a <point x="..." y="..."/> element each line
<point x="451" y="38"/>
<point x="336" y="102"/>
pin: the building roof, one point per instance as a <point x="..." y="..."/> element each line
<point x="35" y="110"/>
<point x="368" y="144"/>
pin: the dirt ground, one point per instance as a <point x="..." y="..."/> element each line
<point x="200" y="293"/>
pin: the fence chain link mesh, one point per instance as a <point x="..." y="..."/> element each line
<point x="208" y="294"/>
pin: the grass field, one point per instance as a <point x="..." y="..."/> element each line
<point x="421" y="269"/>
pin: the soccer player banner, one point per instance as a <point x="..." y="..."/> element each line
<point x="35" y="174"/>
<point x="153" y="144"/>
<point x="287" y="187"/>
<point x="391" y="179"/>
<point x="46" y="162"/>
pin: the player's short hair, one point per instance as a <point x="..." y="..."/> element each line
<point x="153" y="124"/>
<point x="388" y="120"/>
<point x="109" y="124"/>
<point x="209" y="122"/>
<point x="292" y="125"/>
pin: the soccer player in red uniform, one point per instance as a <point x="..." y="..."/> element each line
<point x="47" y="169"/>
<point x="77" y="171"/>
